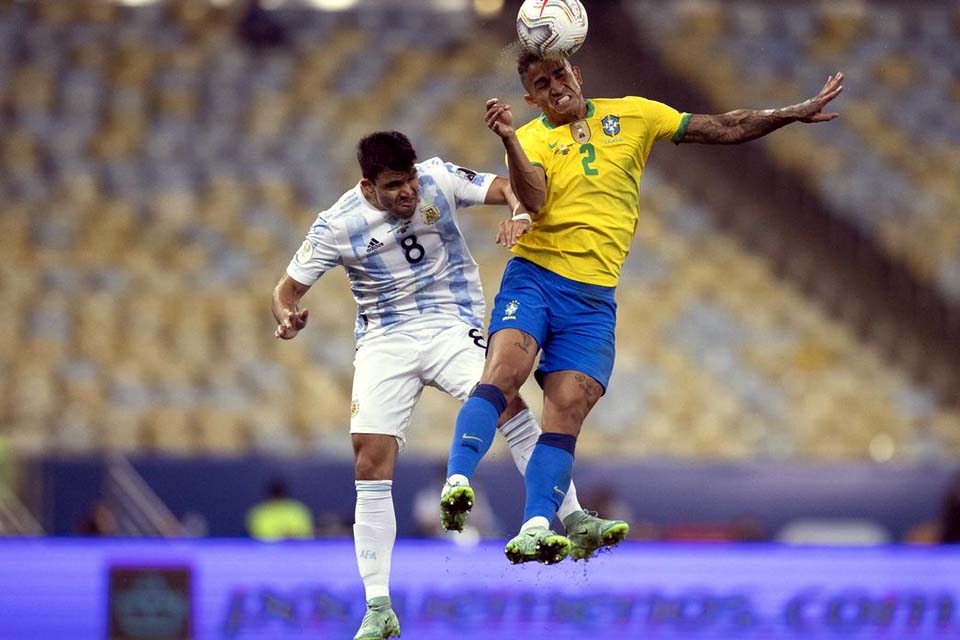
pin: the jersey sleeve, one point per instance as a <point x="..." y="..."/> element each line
<point x="534" y="146"/>
<point x="469" y="187"/>
<point x="317" y="255"/>
<point x="665" y="122"/>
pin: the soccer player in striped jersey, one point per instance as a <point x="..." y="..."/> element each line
<point x="420" y="311"/>
<point x="577" y="171"/>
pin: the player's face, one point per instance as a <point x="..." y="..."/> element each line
<point x="393" y="191"/>
<point x="554" y="87"/>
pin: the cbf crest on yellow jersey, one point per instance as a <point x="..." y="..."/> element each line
<point x="593" y="169"/>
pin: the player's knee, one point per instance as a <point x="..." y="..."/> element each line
<point x="567" y="413"/>
<point x="576" y="413"/>
<point x="507" y="377"/>
<point x="514" y="407"/>
<point x="569" y="424"/>
<point x="371" y="468"/>
<point x="372" y="462"/>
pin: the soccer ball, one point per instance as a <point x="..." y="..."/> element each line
<point x="552" y="28"/>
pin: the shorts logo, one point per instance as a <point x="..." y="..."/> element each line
<point x="354" y="408"/>
<point x="305" y="252"/>
<point x="430" y="213"/>
<point x="510" y="311"/>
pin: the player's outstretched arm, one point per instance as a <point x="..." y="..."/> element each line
<point x="286" y="310"/>
<point x="744" y="125"/>
<point x="528" y="182"/>
<point x="500" y="193"/>
<point x="519" y="222"/>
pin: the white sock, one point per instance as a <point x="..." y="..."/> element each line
<point x="458" y="480"/>
<point x="374" y="532"/>
<point x="535" y="521"/>
<point x="521" y="432"/>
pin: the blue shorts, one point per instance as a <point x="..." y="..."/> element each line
<point x="573" y="322"/>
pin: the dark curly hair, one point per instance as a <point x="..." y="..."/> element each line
<point x="385" y="150"/>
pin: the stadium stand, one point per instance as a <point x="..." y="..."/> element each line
<point x="158" y="172"/>
<point x="890" y="167"/>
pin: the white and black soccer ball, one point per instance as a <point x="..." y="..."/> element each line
<point x="552" y="28"/>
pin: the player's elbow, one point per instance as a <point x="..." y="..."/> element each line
<point x="533" y="203"/>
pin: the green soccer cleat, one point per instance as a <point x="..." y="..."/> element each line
<point x="588" y="533"/>
<point x="380" y="622"/>
<point x="455" y="503"/>
<point x="537" y="544"/>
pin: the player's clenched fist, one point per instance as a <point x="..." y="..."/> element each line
<point x="499" y="118"/>
<point x="291" y="324"/>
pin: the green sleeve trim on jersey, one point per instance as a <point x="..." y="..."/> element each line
<point x="682" y="129"/>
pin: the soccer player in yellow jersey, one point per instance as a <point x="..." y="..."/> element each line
<point x="576" y="169"/>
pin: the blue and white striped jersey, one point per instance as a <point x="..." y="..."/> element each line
<point x="401" y="269"/>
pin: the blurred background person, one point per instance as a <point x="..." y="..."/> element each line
<point x="482" y="524"/>
<point x="99" y="520"/>
<point x="950" y="513"/>
<point x="279" y="516"/>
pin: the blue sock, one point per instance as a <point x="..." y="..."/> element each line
<point x="548" y="474"/>
<point x="476" y="428"/>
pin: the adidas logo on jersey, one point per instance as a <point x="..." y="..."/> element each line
<point x="373" y="245"/>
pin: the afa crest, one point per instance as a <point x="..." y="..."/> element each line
<point x="611" y="125"/>
<point x="430" y="213"/>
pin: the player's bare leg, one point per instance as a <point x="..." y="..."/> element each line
<point x="569" y="396"/>
<point x="375" y="530"/>
<point x="521" y="431"/>
<point x="510" y="357"/>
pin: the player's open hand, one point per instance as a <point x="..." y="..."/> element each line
<point x="291" y="324"/>
<point x="499" y="118"/>
<point x="812" y="109"/>
<point x="510" y="231"/>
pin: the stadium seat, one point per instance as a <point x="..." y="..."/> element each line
<point x="157" y="175"/>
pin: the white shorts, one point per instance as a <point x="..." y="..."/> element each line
<point x="390" y="372"/>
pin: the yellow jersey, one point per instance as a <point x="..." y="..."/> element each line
<point x="593" y="169"/>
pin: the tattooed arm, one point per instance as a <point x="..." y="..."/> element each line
<point x="743" y="125"/>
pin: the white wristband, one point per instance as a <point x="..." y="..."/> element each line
<point x="523" y="216"/>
